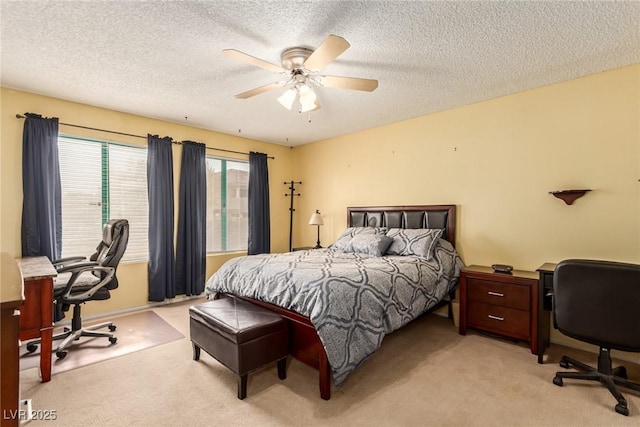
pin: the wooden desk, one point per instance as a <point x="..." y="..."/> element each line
<point x="545" y="291"/>
<point x="11" y="299"/>
<point x="36" y="316"/>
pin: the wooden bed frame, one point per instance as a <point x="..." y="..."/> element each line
<point x="304" y="342"/>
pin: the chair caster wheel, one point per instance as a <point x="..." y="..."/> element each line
<point x="61" y="354"/>
<point x="564" y="364"/>
<point x="113" y="340"/>
<point x="557" y="381"/>
<point x="112" y="328"/>
<point x="622" y="372"/>
<point x="622" y="409"/>
<point x="32" y="347"/>
<point x="66" y="329"/>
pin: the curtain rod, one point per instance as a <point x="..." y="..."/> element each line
<point x="20" y="116"/>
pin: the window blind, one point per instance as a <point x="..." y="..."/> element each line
<point x="102" y="180"/>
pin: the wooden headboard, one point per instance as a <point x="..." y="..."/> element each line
<point x="418" y="216"/>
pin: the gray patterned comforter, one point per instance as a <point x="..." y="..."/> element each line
<point x="352" y="299"/>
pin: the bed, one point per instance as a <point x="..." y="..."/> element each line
<point x="341" y="301"/>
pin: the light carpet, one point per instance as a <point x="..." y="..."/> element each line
<point x="424" y="375"/>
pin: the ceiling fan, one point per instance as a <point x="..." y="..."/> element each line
<point x="300" y="66"/>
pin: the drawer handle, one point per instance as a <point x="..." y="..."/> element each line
<point x="495" y="294"/>
<point x="491" y="316"/>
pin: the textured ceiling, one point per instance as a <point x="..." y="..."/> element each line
<point x="163" y="59"/>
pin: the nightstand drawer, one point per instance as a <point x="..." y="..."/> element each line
<point x="500" y="320"/>
<point x="502" y="294"/>
<point x="502" y="304"/>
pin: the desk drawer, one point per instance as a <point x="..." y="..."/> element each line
<point x="497" y="293"/>
<point x="500" y="320"/>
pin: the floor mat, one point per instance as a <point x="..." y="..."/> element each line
<point x="135" y="331"/>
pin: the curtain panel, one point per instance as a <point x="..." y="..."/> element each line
<point x="42" y="195"/>
<point x="161" y="218"/>
<point x="259" y="219"/>
<point x="192" y="218"/>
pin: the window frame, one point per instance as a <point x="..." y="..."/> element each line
<point x="224" y="229"/>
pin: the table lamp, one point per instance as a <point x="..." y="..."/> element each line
<point x="316" y="219"/>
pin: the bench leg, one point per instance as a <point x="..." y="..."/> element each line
<point x="196" y="351"/>
<point x="282" y="368"/>
<point x="242" y="386"/>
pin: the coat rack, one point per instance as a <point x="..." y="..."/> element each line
<point x="292" y="194"/>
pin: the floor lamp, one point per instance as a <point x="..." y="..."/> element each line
<point x="316" y="219"/>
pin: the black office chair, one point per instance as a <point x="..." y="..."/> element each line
<point x="79" y="281"/>
<point x="597" y="302"/>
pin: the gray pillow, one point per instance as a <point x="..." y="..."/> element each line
<point x="342" y="244"/>
<point x="420" y="241"/>
<point x="370" y="244"/>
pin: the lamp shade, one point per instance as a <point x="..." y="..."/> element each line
<point x="307" y="98"/>
<point x="287" y="98"/>
<point x="316" y="219"/>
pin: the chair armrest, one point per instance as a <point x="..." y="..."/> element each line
<point x="76" y="271"/>
<point x="62" y="262"/>
<point x="80" y="266"/>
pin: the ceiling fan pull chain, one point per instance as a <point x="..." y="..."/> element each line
<point x="309" y="116"/>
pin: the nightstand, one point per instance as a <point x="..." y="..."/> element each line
<point x="501" y="304"/>
<point x="302" y="248"/>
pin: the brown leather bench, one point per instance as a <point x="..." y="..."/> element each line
<point x="240" y="335"/>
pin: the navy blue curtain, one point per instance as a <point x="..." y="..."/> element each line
<point x="160" y="191"/>
<point x="259" y="220"/>
<point x="192" y="220"/>
<point x="42" y="196"/>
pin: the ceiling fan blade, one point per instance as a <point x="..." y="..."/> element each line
<point x="241" y="56"/>
<point x="259" y="90"/>
<point x="329" y="50"/>
<point x="353" y="83"/>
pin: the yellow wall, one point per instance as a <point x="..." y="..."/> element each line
<point x="132" y="276"/>
<point x="497" y="161"/>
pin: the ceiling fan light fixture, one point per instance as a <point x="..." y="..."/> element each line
<point x="303" y="88"/>
<point x="307" y="94"/>
<point x="287" y="98"/>
<point x="308" y="100"/>
<point x="301" y="65"/>
<point x="305" y="107"/>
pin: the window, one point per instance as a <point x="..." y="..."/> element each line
<point x="227" y="205"/>
<point x="102" y="180"/>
